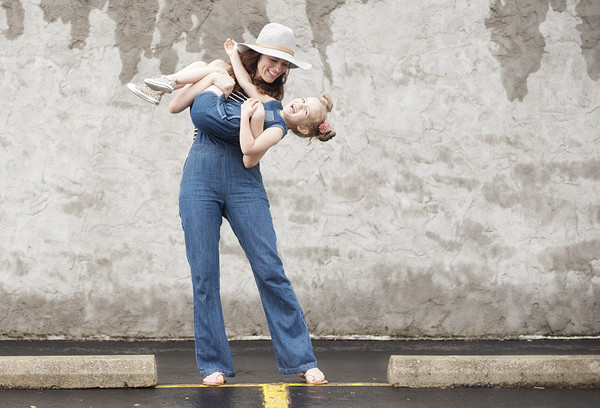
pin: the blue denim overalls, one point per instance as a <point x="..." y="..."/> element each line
<point x="215" y="184"/>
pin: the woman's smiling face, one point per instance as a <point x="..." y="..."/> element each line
<point x="271" y="68"/>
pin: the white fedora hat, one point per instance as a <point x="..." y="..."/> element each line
<point x="277" y="40"/>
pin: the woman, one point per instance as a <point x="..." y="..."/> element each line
<point x="216" y="184"/>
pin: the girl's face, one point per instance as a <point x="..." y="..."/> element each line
<point x="301" y="112"/>
<point x="271" y="68"/>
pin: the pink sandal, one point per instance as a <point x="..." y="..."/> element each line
<point x="214" y="379"/>
<point x="314" y="376"/>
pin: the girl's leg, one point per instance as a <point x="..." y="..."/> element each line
<point x="170" y="83"/>
<point x="188" y="75"/>
<point x="200" y="208"/>
<point x="247" y="210"/>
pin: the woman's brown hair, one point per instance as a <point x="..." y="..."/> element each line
<point x="250" y="61"/>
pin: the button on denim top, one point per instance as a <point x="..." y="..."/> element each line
<point x="219" y="118"/>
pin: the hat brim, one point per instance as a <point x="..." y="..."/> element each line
<point x="294" y="63"/>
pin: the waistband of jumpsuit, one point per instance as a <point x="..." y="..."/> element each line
<point x="208" y="144"/>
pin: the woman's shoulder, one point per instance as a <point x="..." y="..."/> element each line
<point x="273" y="104"/>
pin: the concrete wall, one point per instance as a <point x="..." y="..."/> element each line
<point x="461" y="196"/>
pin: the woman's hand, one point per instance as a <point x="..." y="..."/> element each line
<point x="223" y="81"/>
<point x="249" y="106"/>
<point x="231" y="47"/>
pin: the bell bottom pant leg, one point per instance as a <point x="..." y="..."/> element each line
<point x="201" y="216"/>
<point x="250" y="220"/>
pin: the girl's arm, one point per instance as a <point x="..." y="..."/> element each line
<point x="270" y="137"/>
<point x="186" y="95"/>
<point x="242" y="76"/>
<point x="255" y="146"/>
<point x="257" y="123"/>
<point x="256" y="113"/>
<point x="251" y="160"/>
<point x="257" y="120"/>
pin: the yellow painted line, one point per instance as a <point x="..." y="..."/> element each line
<point x="340" y="385"/>
<point x="207" y="386"/>
<point x="275" y="396"/>
<point x="278" y="384"/>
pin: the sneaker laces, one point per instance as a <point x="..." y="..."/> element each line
<point x="164" y="80"/>
<point x="145" y="89"/>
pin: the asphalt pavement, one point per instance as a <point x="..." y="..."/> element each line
<point x="356" y="371"/>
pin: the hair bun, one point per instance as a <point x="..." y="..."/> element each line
<point x="327" y="101"/>
<point x="323" y="137"/>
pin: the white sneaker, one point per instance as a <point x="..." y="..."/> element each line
<point x="145" y="93"/>
<point x="161" y="83"/>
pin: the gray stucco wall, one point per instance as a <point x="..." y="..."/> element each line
<point x="461" y="196"/>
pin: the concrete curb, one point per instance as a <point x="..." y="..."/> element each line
<point x="71" y="372"/>
<point x="494" y="371"/>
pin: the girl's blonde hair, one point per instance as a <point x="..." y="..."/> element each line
<point x="320" y="129"/>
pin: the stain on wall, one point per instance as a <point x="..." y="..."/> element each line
<point x="318" y="13"/>
<point x="15" y="16"/>
<point x="514" y="25"/>
<point x="589" y="12"/>
<point x="134" y="31"/>
<point x="135" y="22"/>
<point x="76" y="14"/>
<point x="519" y="44"/>
<point x="206" y="25"/>
<point x="578" y="258"/>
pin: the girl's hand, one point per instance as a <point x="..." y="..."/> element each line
<point x="249" y="107"/>
<point x="231" y="47"/>
<point x="223" y="81"/>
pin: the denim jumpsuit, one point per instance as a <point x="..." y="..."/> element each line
<point x="215" y="184"/>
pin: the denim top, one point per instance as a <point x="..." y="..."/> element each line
<point x="219" y="117"/>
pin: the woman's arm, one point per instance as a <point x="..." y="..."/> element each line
<point x="186" y="95"/>
<point x="241" y="75"/>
